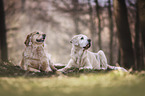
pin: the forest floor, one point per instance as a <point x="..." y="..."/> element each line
<point x="15" y="82"/>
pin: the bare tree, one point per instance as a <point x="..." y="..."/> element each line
<point x="142" y="18"/>
<point x="99" y="23"/>
<point x="124" y="35"/>
<point x="73" y="8"/>
<point x="111" y="31"/>
<point x="3" y="46"/>
<point x="92" y="26"/>
<point x="76" y="15"/>
<point x="23" y="5"/>
<point x="140" y="33"/>
<point x="138" y="44"/>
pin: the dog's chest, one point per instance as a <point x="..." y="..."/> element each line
<point x="79" y="57"/>
<point x="35" y="52"/>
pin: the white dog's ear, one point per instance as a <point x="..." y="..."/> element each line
<point x="70" y="41"/>
<point x="28" y="40"/>
<point x="74" y="41"/>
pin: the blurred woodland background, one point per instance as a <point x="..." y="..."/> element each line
<point x="115" y="26"/>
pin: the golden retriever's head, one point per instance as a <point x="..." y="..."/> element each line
<point x="81" y="41"/>
<point x="36" y="37"/>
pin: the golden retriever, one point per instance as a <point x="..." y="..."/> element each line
<point x="34" y="55"/>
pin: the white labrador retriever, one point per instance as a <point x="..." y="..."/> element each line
<point x="82" y="58"/>
<point x="35" y="56"/>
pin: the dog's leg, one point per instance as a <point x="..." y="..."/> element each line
<point x="105" y="65"/>
<point x="45" y="67"/>
<point x="24" y="64"/>
<point x="87" y="64"/>
<point x="52" y="66"/>
<point x="70" y="64"/>
<point x="103" y="60"/>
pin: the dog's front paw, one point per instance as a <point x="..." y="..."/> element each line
<point x="48" y="70"/>
<point x="60" y="70"/>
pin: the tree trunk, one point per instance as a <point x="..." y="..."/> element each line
<point x="75" y="16"/>
<point x="23" y="5"/>
<point x="76" y="24"/>
<point x="124" y="35"/>
<point x="111" y="31"/>
<point x="99" y="24"/>
<point x="92" y="27"/>
<point x="0" y="49"/>
<point x="141" y="32"/>
<point x="138" y="43"/>
<point x="119" y="56"/>
<point x="4" y="54"/>
<point x="141" y="5"/>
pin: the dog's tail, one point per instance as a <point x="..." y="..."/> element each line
<point x="117" y="68"/>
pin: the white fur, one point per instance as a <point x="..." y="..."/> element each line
<point x="82" y="58"/>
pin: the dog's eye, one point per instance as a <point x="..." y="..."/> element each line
<point x="82" y="38"/>
<point x="37" y="33"/>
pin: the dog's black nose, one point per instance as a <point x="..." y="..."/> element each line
<point x="44" y="35"/>
<point x="89" y="40"/>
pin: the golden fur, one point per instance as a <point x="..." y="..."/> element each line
<point x="34" y="55"/>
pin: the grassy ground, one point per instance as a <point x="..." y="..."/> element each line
<point x="13" y="82"/>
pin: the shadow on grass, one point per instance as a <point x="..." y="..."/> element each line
<point x="7" y="69"/>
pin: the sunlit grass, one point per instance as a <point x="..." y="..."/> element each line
<point x="101" y="84"/>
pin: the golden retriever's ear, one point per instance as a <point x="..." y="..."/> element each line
<point x="74" y="41"/>
<point x="28" y="40"/>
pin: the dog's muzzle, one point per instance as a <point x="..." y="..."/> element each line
<point x="42" y="39"/>
<point x="88" y="45"/>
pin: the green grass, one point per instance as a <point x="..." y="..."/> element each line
<point x="96" y="83"/>
<point x="101" y="84"/>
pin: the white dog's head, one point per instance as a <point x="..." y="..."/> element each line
<point x="36" y="37"/>
<point x="81" y="41"/>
